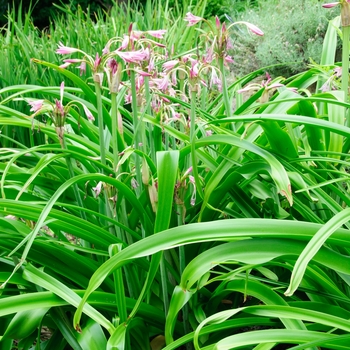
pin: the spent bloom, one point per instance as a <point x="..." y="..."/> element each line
<point x="267" y="85"/>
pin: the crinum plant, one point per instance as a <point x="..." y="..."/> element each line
<point x="172" y="217"/>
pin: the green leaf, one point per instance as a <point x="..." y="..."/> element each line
<point x="167" y="168"/>
<point x="92" y="337"/>
<point x="25" y="323"/>
<point x="313" y="247"/>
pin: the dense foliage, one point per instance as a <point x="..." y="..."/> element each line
<point x="148" y="203"/>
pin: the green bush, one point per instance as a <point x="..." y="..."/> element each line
<point x="294" y="33"/>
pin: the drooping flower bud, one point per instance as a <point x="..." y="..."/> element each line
<point x="113" y="72"/>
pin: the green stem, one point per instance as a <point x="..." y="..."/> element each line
<point x="137" y="139"/>
<point x="119" y="285"/>
<point x="104" y="206"/>
<point x="114" y="113"/>
<point x="100" y="123"/>
<point x="75" y="188"/>
<point x="181" y="210"/>
<point x="193" y="115"/>
<point x="345" y="67"/>
<point x="189" y="161"/>
<point x="225" y="95"/>
<point x="164" y="283"/>
<point x="150" y="126"/>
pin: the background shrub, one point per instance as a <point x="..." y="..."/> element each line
<point x="294" y="32"/>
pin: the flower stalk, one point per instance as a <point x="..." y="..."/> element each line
<point x="137" y="138"/>
<point x="225" y="95"/>
<point x="100" y="121"/>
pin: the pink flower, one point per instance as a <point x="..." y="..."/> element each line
<point x="165" y="99"/>
<point x="88" y="113"/>
<point x="228" y="59"/>
<point x="326" y="86"/>
<point x="112" y="65"/>
<point x="82" y="68"/>
<point x="214" y="80"/>
<point x="64" y="50"/>
<point x="68" y="62"/>
<point x="59" y="104"/>
<point x="36" y="105"/>
<point x="338" y="71"/>
<point x="65" y="65"/>
<point x="208" y="58"/>
<point x="134" y="183"/>
<point x="194" y="69"/>
<point x="128" y="98"/>
<point x="157" y="33"/>
<point x="132" y="56"/>
<point x="136" y="35"/>
<point x="189" y="170"/>
<point x="72" y="60"/>
<point x="217" y="23"/>
<point x="97" y="62"/>
<point x="193" y="196"/>
<point x="252" y="27"/>
<point x="330" y="5"/>
<point x="60" y="108"/>
<point x="125" y="43"/>
<point x="143" y="73"/>
<point x="139" y="82"/>
<point x="105" y="50"/>
<point x="98" y="189"/>
<point x="192" y="19"/>
<point x="62" y="91"/>
<point x="170" y="65"/>
<point x="163" y="84"/>
<point x="173" y="78"/>
<point x="113" y="71"/>
<point x="151" y="64"/>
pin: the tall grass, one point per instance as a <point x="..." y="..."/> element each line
<point x="176" y="220"/>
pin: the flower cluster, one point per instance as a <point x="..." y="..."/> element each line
<point x="57" y="111"/>
<point x="219" y="37"/>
